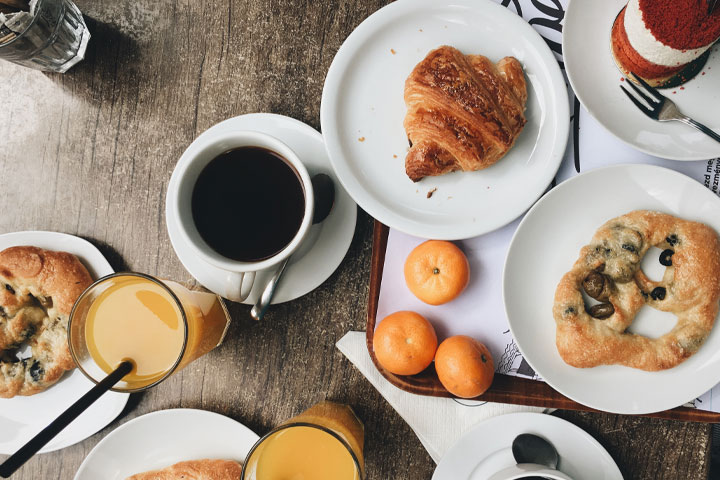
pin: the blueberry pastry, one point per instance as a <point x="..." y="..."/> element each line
<point x="37" y="291"/>
<point x="608" y="270"/>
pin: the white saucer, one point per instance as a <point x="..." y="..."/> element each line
<point x="363" y="109"/>
<point x="486" y="449"/>
<point x="21" y="418"/>
<point x="160" y="439"/>
<point x="547" y="243"/>
<point x="326" y="244"/>
<point x="596" y="81"/>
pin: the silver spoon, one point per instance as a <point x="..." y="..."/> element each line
<point x="529" y="448"/>
<point x="324" y="195"/>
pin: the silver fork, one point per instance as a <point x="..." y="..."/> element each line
<point x="662" y="108"/>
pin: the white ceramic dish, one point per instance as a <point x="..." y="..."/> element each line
<point x="544" y="248"/>
<point x="362" y="116"/>
<point x="325" y="245"/>
<point x="163" y="438"/>
<point x="596" y="81"/>
<point x="486" y="449"/>
<point x="21" y="418"/>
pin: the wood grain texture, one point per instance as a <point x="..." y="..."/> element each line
<point x="90" y="153"/>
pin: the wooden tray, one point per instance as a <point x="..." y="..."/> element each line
<point x="505" y="388"/>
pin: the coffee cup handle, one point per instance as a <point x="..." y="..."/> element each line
<point x="238" y="285"/>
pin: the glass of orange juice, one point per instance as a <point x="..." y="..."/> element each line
<point x="324" y="442"/>
<point x="159" y="326"/>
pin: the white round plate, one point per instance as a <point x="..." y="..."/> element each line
<point x="160" y="439"/>
<point x="363" y="100"/>
<point x="596" y="81"/>
<point x="21" y="418"/>
<point x="486" y="449"/>
<point x="547" y="244"/>
<point x="326" y="244"/>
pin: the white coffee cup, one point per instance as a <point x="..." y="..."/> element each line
<point x="239" y="276"/>
<point x="528" y="470"/>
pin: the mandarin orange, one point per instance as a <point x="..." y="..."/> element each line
<point x="405" y="343"/>
<point x="464" y="366"/>
<point x="437" y="271"/>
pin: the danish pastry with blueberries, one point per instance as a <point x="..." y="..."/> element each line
<point x="608" y="270"/>
<point x="37" y="291"/>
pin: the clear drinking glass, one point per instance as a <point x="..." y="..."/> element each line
<point x="324" y="442"/>
<point x="54" y="41"/>
<point x="189" y="324"/>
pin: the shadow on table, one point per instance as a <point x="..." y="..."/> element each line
<point x="117" y="262"/>
<point x="132" y="403"/>
<point x="110" y="56"/>
<point x="715" y="452"/>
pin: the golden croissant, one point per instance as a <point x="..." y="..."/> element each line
<point x="195" y="470"/>
<point x="464" y="112"/>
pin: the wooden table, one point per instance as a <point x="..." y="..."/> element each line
<point x="90" y="153"/>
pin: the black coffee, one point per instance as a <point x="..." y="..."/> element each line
<point x="248" y="204"/>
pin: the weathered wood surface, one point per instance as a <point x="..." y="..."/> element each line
<point x="90" y="153"/>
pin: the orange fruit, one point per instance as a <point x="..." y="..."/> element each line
<point x="405" y="343"/>
<point x="464" y="366"/>
<point x="437" y="271"/>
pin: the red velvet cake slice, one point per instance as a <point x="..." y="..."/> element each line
<point x="666" y="42"/>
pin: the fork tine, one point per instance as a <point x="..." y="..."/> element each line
<point x="651" y="102"/>
<point x="658" y="96"/>
<point x="637" y="102"/>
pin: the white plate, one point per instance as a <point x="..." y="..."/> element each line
<point x="596" y="81"/>
<point x="326" y="244"/>
<point x="547" y="244"/>
<point x="486" y="449"/>
<point x="21" y="418"/>
<point x="160" y="439"/>
<point x="363" y="98"/>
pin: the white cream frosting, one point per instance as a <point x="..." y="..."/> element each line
<point x="643" y="41"/>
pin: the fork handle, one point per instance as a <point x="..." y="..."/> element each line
<point x="700" y="127"/>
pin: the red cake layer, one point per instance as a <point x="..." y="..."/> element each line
<point x="681" y="24"/>
<point x="630" y="60"/>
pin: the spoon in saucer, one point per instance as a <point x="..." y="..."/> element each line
<point x="324" y="189"/>
<point x="529" y="448"/>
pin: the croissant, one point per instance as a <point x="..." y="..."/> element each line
<point x="464" y="112"/>
<point x="194" y="470"/>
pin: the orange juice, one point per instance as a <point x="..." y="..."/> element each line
<point x="304" y="449"/>
<point x="207" y="319"/>
<point x="302" y="453"/>
<point x="135" y="318"/>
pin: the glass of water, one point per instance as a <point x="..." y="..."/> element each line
<point x="51" y="37"/>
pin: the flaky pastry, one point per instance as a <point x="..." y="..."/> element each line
<point x="464" y="112"/>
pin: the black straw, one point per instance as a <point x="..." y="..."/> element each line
<point x="26" y="452"/>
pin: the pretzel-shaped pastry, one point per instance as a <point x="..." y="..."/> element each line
<point x="37" y="291"/>
<point x="609" y="271"/>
